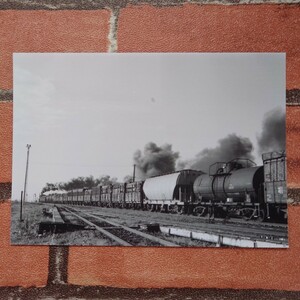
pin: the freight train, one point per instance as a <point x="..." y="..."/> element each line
<point x="237" y="188"/>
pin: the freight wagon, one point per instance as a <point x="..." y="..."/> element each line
<point x="235" y="188"/>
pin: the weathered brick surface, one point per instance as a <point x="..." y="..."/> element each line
<point x="5" y="141"/>
<point x="202" y="267"/>
<point x="20" y="265"/>
<point x="112" y="4"/>
<point x="293" y="97"/>
<point x="49" y="31"/>
<point x="35" y="31"/>
<point x="147" y="28"/>
<point x="6" y="95"/>
<point x="214" y="28"/>
<point x="5" y="190"/>
<point x="108" y="293"/>
<point x="292" y="145"/>
<point x="206" y="29"/>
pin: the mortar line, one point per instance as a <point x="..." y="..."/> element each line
<point x="292" y="95"/>
<point x="58" y="265"/>
<point x="112" y="4"/>
<point x="6" y="95"/>
<point x="113" y="30"/>
<point x="5" y="191"/>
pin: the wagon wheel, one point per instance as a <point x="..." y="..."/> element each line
<point x="175" y="209"/>
<point x="248" y="213"/>
<point x="200" y="211"/>
<point x="262" y="215"/>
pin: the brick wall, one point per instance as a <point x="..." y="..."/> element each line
<point x="150" y="26"/>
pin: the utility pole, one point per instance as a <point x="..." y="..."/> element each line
<point x="26" y="172"/>
<point x="21" y="207"/>
<point x="133" y="177"/>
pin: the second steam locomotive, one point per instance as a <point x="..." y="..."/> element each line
<point x="235" y="188"/>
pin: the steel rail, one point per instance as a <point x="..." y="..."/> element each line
<point x="137" y="232"/>
<point x="116" y="225"/>
<point x="278" y="232"/>
<point x="243" y="235"/>
<point x="106" y="233"/>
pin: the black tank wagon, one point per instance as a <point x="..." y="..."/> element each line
<point x="233" y="188"/>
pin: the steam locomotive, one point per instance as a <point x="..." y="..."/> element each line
<point x="236" y="188"/>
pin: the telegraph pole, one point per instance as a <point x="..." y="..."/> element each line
<point x="21" y="207"/>
<point x="26" y="172"/>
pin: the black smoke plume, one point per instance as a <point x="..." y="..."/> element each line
<point x="272" y="137"/>
<point x="228" y="148"/>
<point x="155" y="160"/>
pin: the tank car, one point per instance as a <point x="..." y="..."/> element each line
<point x="255" y="192"/>
<point x="231" y="187"/>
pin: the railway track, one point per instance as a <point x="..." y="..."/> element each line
<point x="120" y="234"/>
<point x="264" y="229"/>
<point x="229" y="221"/>
<point x="243" y="234"/>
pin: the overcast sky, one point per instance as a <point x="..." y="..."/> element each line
<point x="86" y="114"/>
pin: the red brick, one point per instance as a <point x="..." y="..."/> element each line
<point x="292" y="145"/>
<point x="49" y="31"/>
<point x="5" y="141"/>
<point x="194" y="267"/>
<point x="36" y="31"/>
<point x="20" y="265"/>
<point x="205" y="29"/>
<point x="187" y="28"/>
<point x="214" y="28"/>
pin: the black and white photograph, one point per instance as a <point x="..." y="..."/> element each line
<point x="149" y="149"/>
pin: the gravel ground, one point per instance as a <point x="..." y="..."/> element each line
<point x="105" y="293"/>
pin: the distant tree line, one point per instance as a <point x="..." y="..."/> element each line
<point x="83" y="182"/>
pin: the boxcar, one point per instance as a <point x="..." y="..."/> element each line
<point x="275" y="190"/>
<point x="134" y="195"/>
<point x="106" y="196"/>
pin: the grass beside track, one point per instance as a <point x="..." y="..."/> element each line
<point x="26" y="232"/>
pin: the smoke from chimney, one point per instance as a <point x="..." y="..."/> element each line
<point x="228" y="148"/>
<point x="155" y="160"/>
<point x="273" y="134"/>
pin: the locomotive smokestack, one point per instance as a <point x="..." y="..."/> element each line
<point x="133" y="176"/>
<point x="273" y="134"/>
<point x="155" y="160"/>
